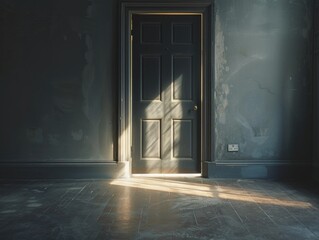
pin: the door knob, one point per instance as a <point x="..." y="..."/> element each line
<point x="195" y="108"/>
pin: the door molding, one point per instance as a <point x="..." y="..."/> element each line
<point x="198" y="7"/>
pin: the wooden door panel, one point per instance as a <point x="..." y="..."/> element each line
<point x="150" y="82"/>
<point x="151" y="32"/>
<point x="166" y="87"/>
<point x="182" y="144"/>
<point x="182" y="33"/>
<point x="151" y="139"/>
<point x="182" y="78"/>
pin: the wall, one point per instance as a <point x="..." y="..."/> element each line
<point x="263" y="81"/>
<point x="58" y="80"/>
<point x="316" y="91"/>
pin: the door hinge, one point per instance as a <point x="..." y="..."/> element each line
<point x="131" y="149"/>
<point x="132" y="32"/>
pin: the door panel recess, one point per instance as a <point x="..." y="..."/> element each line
<point x="166" y="83"/>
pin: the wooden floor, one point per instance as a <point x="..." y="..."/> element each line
<point x="158" y="208"/>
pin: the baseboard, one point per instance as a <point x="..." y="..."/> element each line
<point x="111" y="170"/>
<point x="63" y="170"/>
<point x="277" y="171"/>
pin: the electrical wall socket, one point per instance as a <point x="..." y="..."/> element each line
<point x="233" y="148"/>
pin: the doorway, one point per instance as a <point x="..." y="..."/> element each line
<point x="164" y="91"/>
<point x="166" y="77"/>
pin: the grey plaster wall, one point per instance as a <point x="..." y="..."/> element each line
<point x="263" y="80"/>
<point x="58" y="76"/>
<point x="316" y="91"/>
<point x="58" y="80"/>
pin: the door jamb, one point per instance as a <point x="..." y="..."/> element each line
<point x="205" y="9"/>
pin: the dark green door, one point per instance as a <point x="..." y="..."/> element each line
<point x="166" y="74"/>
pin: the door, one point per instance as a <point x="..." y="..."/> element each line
<point x="166" y="78"/>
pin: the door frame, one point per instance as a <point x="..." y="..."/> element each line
<point x="203" y="8"/>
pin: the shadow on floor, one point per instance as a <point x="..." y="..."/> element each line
<point x="158" y="208"/>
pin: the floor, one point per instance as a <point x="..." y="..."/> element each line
<point x="158" y="208"/>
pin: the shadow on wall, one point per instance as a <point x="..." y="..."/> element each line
<point x="51" y="98"/>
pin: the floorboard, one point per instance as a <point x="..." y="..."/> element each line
<point x="158" y="208"/>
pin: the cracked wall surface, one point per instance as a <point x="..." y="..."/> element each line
<point x="59" y="80"/>
<point x="263" y="83"/>
<point x="316" y="95"/>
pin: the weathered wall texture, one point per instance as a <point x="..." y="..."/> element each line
<point x="57" y="80"/>
<point x="58" y="75"/>
<point x="263" y="79"/>
<point x="316" y="91"/>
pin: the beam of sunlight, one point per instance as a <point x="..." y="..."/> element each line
<point x="165" y="186"/>
<point x="210" y="191"/>
<point x="177" y="87"/>
<point x="170" y="175"/>
<point x="232" y="193"/>
<point x="264" y="200"/>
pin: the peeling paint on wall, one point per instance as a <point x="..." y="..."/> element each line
<point x="259" y="45"/>
<point x="220" y="65"/>
<point x="61" y="104"/>
<point x="222" y="89"/>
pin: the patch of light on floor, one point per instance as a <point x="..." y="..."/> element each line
<point x="232" y="193"/>
<point x="265" y="200"/>
<point x="205" y="190"/>
<point x="178" y="175"/>
<point x="165" y="186"/>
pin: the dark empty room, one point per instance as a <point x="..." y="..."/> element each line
<point x="159" y="119"/>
